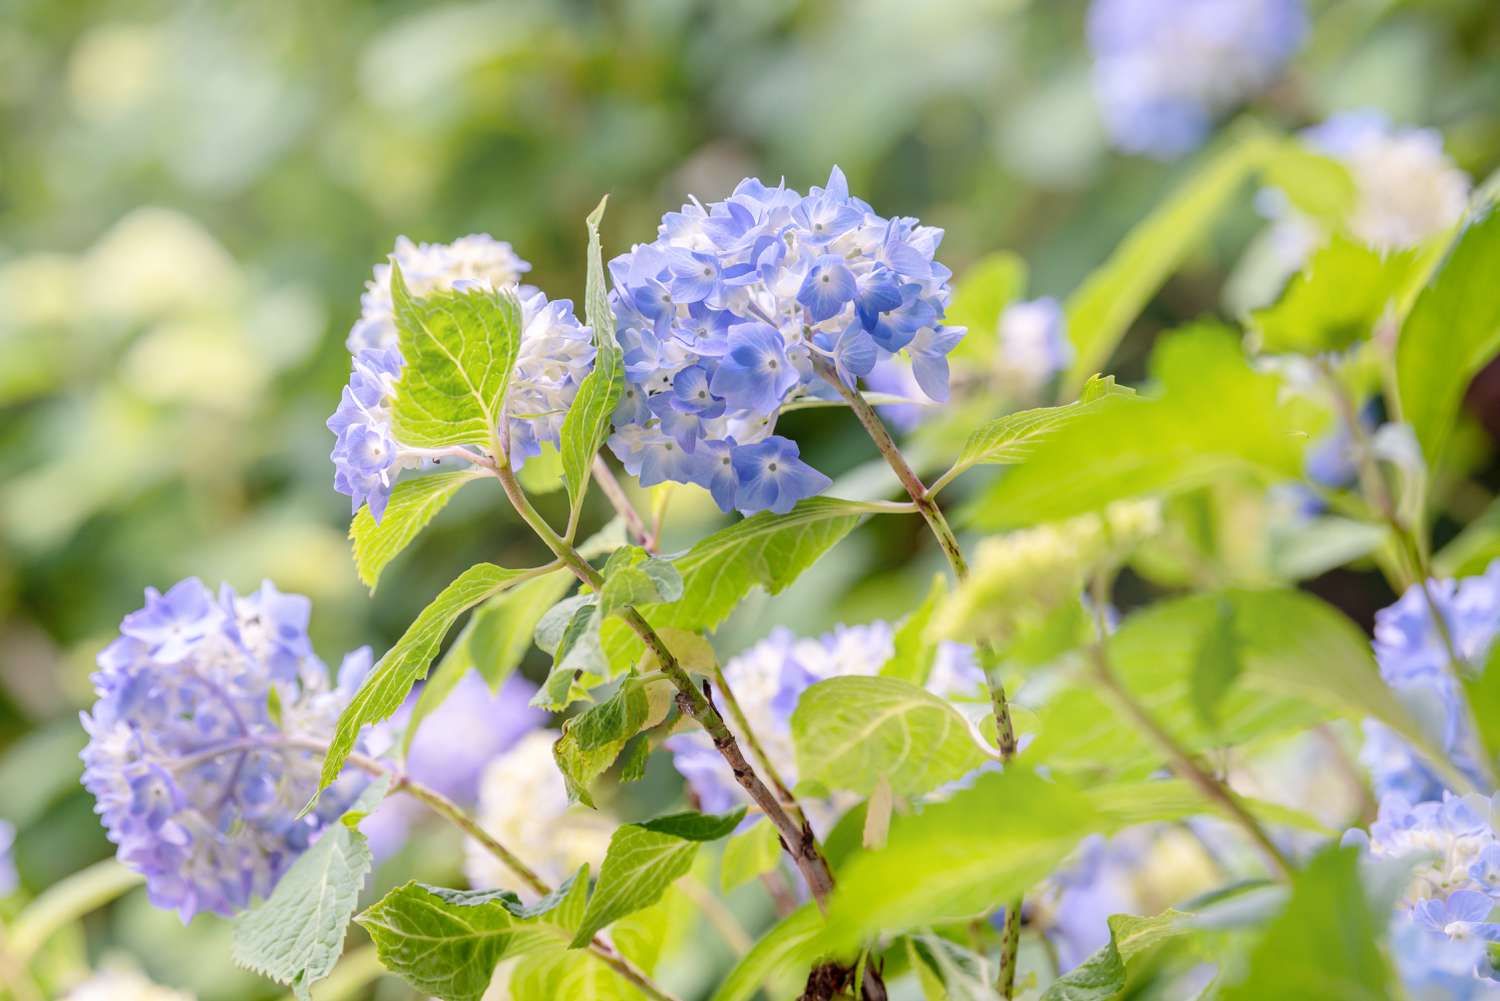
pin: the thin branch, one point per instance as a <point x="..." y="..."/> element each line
<point x="618" y="499"/>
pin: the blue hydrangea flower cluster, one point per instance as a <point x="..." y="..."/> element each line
<point x="197" y="771"/>
<point x="8" y="879"/>
<point x="556" y="353"/>
<point x="769" y="678"/>
<point x="1165" y="70"/>
<point x="720" y="320"/>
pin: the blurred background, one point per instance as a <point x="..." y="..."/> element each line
<point x="193" y="194"/>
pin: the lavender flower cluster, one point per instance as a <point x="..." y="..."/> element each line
<point x="556" y="354"/>
<point x="722" y="317"/>
<point x="769" y="678"/>
<point x="1165" y="70"/>
<point x="206" y="741"/>
<point x="1442" y="928"/>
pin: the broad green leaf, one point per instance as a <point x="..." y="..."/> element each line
<point x="1482" y="689"/>
<point x="749" y="854"/>
<point x="406" y="663"/>
<point x="1336" y="300"/>
<point x="570" y="975"/>
<point x="1102" y="976"/>
<point x="633" y="764"/>
<point x="493" y="642"/>
<point x="1451" y="332"/>
<point x="1301" y="662"/>
<point x="446" y="943"/>
<point x="586" y="424"/>
<point x="1216" y="665"/>
<point x="1325" y="944"/>
<point x="781" y="956"/>
<point x="765" y="549"/>
<point x="297" y="934"/>
<point x="633" y="576"/>
<point x="1311" y="547"/>
<point x="413" y="504"/>
<point x="592" y="740"/>
<point x="542" y="473"/>
<point x="957" y="857"/>
<point x="1101" y="310"/>
<point x="1319" y="186"/>
<point x="852" y="731"/>
<point x="913" y="650"/>
<point x="980" y="296"/>
<point x="1129" y="804"/>
<point x="643" y="860"/>
<point x="1013" y="438"/>
<point x="460" y="347"/>
<point x="1213" y="415"/>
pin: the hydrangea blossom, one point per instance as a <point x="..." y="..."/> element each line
<point x="8" y="879"/>
<point x="769" y="678"/>
<point x="556" y="353"/>
<point x="1408" y="189"/>
<point x="1034" y="346"/>
<point x="720" y="320"/>
<point x="205" y="743"/>
<point x="123" y="985"/>
<point x="524" y="803"/>
<point x="451" y="749"/>
<point x="1165" y="70"/>
<point x="1414" y="660"/>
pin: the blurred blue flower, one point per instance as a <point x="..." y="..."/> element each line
<point x="206" y="741"/>
<point x="1166" y="70"/>
<point x="8" y="878"/>
<point x="720" y="320"/>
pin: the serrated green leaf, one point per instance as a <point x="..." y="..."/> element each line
<point x="1102" y="308"/>
<point x="1335" y="301"/>
<point x="1214" y="415"/>
<point x="414" y="502"/>
<point x="446" y="943"/>
<point x="587" y="422"/>
<point x="576" y="976"/>
<point x="957" y="857"/>
<point x="781" y="956"/>
<point x="913" y="650"/>
<point x="1013" y="438"/>
<point x="1216" y="665"/>
<point x="297" y="934"/>
<point x="460" y="347"/>
<point x="406" y="663"/>
<point x="765" y="549"/>
<point x="852" y="731"/>
<point x="749" y="854"/>
<point x="1451" y="332"/>
<point x="592" y="740"/>
<point x="633" y="576"/>
<point x="1325" y="944"/>
<point x="633" y="764"/>
<point x="1102" y="977"/>
<point x="578" y="656"/>
<point x="642" y="861"/>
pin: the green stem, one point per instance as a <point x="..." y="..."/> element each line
<point x="926" y="505"/>
<point x="65" y="902"/>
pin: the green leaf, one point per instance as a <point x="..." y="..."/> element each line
<point x="643" y="860"/>
<point x="1216" y="665"/>
<point x="1102" y="976"/>
<point x="765" y="549"/>
<point x="1214" y="415"/>
<point x="980" y="296"/>
<point x="1482" y="689"/>
<point x="577" y="655"/>
<point x="586" y="424"/>
<point x="633" y="764"/>
<point x="542" y="473"/>
<point x="633" y="576"/>
<point x="413" y="504"/>
<point x="1301" y="662"/>
<point x="1320" y="187"/>
<point x="406" y="663"/>
<point x="1336" y="300"/>
<point x="1101" y="310"/>
<point x="956" y="858"/>
<point x="1451" y="332"/>
<point x="749" y="854"/>
<point x="574" y="976"/>
<point x="1131" y="803"/>
<point x="913" y="650"/>
<point x="852" y="731"/>
<point x="592" y="740"/>
<point x="460" y="348"/>
<point x="297" y="934"/>
<point x="1325" y="944"/>
<point x="781" y="954"/>
<point x="446" y="943"/>
<point x="1013" y="438"/>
